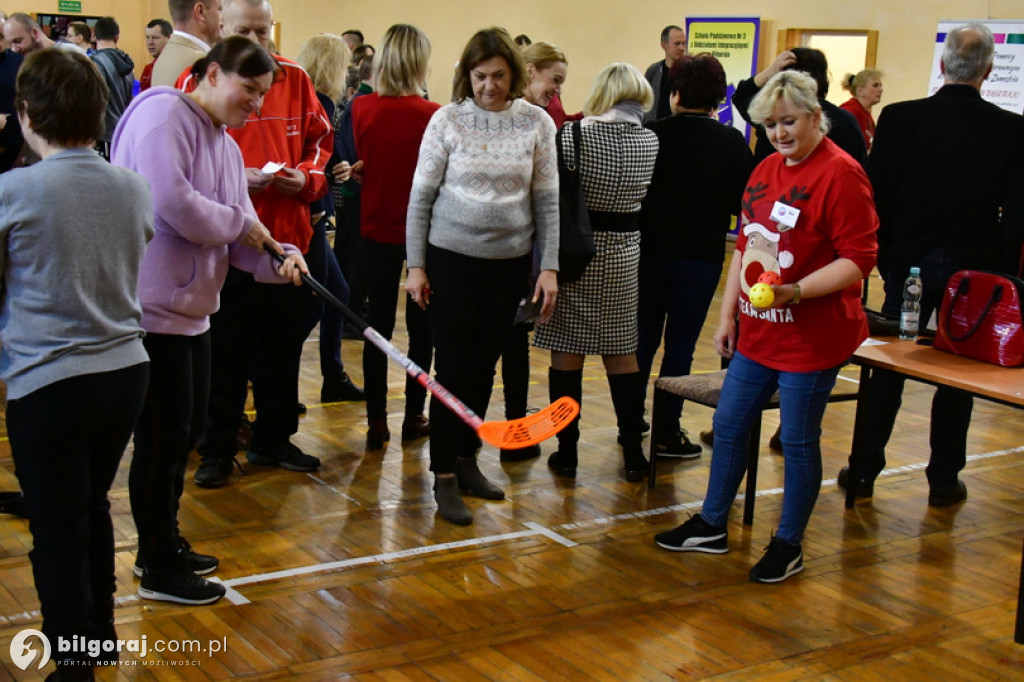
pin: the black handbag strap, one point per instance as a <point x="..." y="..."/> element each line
<point x="574" y="167"/>
<point x="961" y="289"/>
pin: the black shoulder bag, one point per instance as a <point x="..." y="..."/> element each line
<point x="576" y="239"/>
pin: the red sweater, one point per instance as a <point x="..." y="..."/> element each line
<point x="292" y="129"/>
<point x="837" y="220"/>
<point x="864" y="119"/>
<point x="388" y="132"/>
<point x="146" y="79"/>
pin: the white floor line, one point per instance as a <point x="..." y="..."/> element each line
<point x="230" y="593"/>
<point x="393" y="556"/>
<point x="534" y="530"/>
<point x="548" y="533"/>
<point x="825" y="483"/>
<point x="335" y="490"/>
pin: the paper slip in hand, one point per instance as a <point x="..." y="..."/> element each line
<point x="271" y="168"/>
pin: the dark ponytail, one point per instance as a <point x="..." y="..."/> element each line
<point x="237" y="55"/>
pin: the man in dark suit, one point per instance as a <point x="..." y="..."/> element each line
<point x="948" y="175"/>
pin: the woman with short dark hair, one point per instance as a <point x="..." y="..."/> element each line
<point x="686" y="215"/>
<point x="484" y="193"/>
<point x="72" y="358"/>
<point x="205" y="222"/>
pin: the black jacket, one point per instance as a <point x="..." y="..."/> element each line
<point x="948" y="173"/>
<point x="845" y="130"/>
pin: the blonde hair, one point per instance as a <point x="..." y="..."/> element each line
<point x="325" y="58"/>
<point x="400" y="67"/>
<point x="616" y="83"/>
<point x="797" y="88"/>
<point x="542" y="55"/>
<point x="863" y="77"/>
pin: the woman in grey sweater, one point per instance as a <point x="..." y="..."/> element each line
<point x="72" y="358"/>
<point x="485" y="190"/>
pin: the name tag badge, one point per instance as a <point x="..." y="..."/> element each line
<point x="784" y="214"/>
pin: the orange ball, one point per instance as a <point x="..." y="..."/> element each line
<point x="770" y="277"/>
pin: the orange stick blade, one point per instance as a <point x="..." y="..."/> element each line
<point x="531" y="429"/>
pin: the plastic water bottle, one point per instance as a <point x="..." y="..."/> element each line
<point x="910" y="313"/>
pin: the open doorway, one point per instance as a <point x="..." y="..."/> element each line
<point x="847" y="51"/>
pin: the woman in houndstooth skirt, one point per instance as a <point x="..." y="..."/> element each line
<point x="596" y="315"/>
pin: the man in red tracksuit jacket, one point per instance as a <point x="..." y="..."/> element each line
<point x="259" y="330"/>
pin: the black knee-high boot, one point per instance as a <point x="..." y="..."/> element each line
<point x="628" y="399"/>
<point x="566" y="383"/>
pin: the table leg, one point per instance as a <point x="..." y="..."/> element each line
<point x="1018" y="633"/>
<point x="753" y="452"/>
<point x="656" y="410"/>
<point x="859" y="431"/>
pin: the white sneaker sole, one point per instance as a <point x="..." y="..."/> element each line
<point x="138" y="571"/>
<point x="696" y="547"/>
<point x="790" y="572"/>
<point x="165" y="596"/>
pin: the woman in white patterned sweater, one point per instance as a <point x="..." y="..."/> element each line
<point x="485" y="191"/>
<point x="597" y="315"/>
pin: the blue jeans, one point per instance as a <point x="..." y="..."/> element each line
<point x="803" y="397"/>
<point x="323" y="267"/>
<point x="675" y="295"/>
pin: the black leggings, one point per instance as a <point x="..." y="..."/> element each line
<point x="67" y="440"/>
<point x="170" y="424"/>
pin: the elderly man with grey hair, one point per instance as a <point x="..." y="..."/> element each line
<point x="948" y="173"/>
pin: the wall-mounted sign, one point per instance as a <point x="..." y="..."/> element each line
<point x="69" y="5"/>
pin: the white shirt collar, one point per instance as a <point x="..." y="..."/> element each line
<point x="195" y="40"/>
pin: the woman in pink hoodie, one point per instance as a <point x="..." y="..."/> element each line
<point x="204" y="221"/>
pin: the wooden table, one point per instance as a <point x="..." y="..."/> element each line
<point x="1004" y="385"/>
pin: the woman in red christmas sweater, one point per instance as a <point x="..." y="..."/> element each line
<point x="809" y="217"/>
<point x="388" y="126"/>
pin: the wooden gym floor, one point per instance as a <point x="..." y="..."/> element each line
<point x="347" y="572"/>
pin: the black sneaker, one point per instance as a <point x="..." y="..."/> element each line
<point x="676" y="445"/>
<point x="200" y="564"/>
<point x="340" y="389"/>
<point x="285" y="455"/>
<point x="694" y="536"/>
<point x="780" y="561"/>
<point x="180" y="587"/>
<point x="215" y="470"/>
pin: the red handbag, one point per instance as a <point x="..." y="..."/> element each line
<point x="980" y="317"/>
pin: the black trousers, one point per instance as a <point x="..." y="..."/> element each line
<point x="473" y="302"/>
<point x="171" y="422"/>
<point x="951" y="408"/>
<point x="348" y="242"/>
<point x="67" y="440"/>
<point x="258" y="332"/>
<point x="383" y="264"/>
